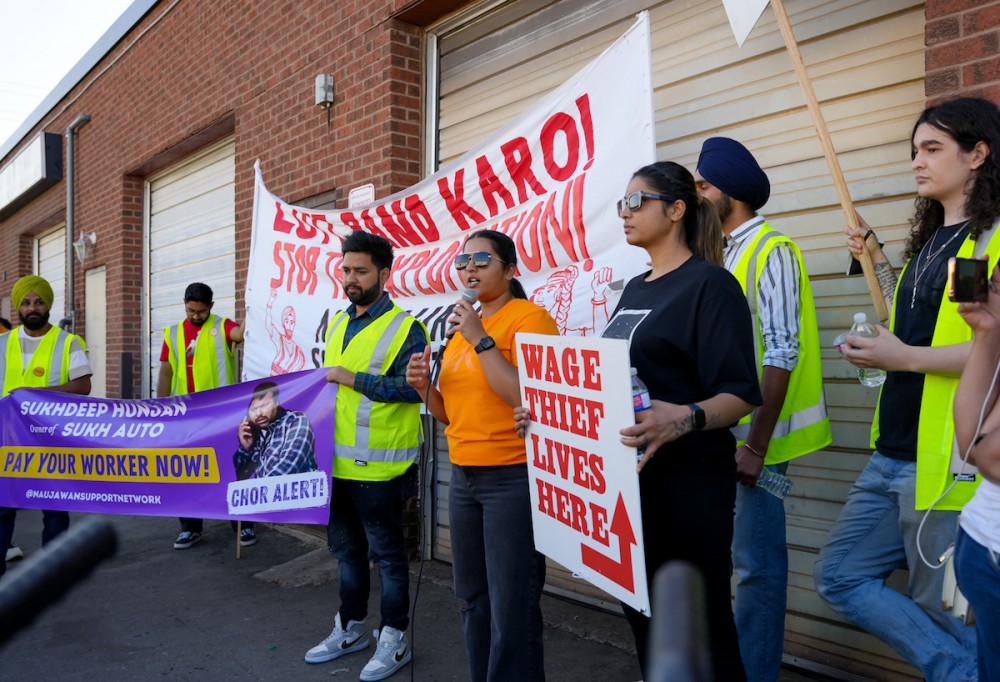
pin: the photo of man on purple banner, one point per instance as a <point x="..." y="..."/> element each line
<point x="273" y="441"/>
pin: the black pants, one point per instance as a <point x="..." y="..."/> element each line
<point x="687" y="514"/>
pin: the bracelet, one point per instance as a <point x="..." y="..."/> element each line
<point x="868" y="234"/>
<point x="750" y="448"/>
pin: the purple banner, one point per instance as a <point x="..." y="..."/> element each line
<point x="256" y="451"/>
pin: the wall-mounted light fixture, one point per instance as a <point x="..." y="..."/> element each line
<point x="324" y="94"/>
<point x="84" y="244"/>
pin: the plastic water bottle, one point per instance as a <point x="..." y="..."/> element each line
<point x="640" y="394"/>
<point x="868" y="376"/>
<point x="640" y="402"/>
<point x="774" y="483"/>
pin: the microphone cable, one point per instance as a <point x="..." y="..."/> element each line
<point x="470" y="296"/>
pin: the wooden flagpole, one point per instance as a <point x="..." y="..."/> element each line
<point x="867" y="267"/>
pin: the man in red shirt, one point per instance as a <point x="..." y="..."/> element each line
<point x="204" y="343"/>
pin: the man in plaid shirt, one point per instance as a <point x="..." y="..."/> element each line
<point x="273" y="441"/>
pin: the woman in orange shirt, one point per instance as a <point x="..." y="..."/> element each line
<point x="498" y="573"/>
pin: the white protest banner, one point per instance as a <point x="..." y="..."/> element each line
<point x="549" y="179"/>
<point x="584" y="486"/>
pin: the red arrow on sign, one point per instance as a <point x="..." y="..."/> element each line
<point x="619" y="572"/>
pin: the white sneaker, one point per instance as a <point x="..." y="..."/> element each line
<point x="391" y="654"/>
<point x="14" y="553"/>
<point x="339" y="641"/>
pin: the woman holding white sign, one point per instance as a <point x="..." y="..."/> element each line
<point x="498" y="573"/>
<point x="690" y="338"/>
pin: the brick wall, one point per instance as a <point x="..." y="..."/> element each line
<point x="252" y="65"/>
<point x="963" y="44"/>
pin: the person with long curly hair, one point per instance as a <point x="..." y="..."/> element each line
<point x="956" y="162"/>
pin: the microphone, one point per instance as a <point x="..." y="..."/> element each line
<point x="470" y="296"/>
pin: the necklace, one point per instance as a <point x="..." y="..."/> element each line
<point x="929" y="254"/>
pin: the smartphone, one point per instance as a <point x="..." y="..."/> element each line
<point x="968" y="280"/>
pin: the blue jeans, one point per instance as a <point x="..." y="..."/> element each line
<point x="498" y="574"/>
<point x="53" y="523"/>
<point x="366" y="524"/>
<point x="978" y="572"/>
<point x="760" y="560"/>
<point x="875" y="535"/>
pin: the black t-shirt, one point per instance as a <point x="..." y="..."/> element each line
<point x="899" y="405"/>
<point x="690" y="338"/>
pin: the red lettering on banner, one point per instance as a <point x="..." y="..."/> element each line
<point x="350" y="220"/>
<point x="619" y="571"/>
<point x="280" y="262"/>
<point x="456" y="204"/>
<point x="577" y="206"/>
<point x="587" y="470"/>
<point x="560" y="122"/>
<point x="530" y="229"/>
<point x="591" y="367"/>
<point x="517" y="158"/>
<point x="587" y="121"/>
<point x="280" y="223"/>
<point x="305" y="225"/>
<point x="408" y="223"/>
<point x="576" y="415"/>
<point x="491" y="187"/>
<point x="573" y="511"/>
<point x="334" y="271"/>
<point x="296" y="267"/>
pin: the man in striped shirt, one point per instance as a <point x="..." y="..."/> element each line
<point x="792" y="421"/>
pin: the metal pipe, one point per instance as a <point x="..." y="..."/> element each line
<point x="79" y="122"/>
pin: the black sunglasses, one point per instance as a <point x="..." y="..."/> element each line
<point x="634" y="201"/>
<point x="480" y="259"/>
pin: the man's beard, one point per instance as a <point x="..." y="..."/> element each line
<point x="34" y="321"/>
<point x="366" y="297"/>
<point x="724" y="207"/>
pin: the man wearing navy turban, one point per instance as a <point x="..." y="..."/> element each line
<point x="792" y="421"/>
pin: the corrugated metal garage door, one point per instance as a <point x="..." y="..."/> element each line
<point x="866" y="60"/>
<point x="50" y="263"/>
<point x="191" y="233"/>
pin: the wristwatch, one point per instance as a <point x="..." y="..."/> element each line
<point x="697" y="417"/>
<point x="485" y="344"/>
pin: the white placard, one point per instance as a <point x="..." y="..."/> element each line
<point x="584" y="484"/>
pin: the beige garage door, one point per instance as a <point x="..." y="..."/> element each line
<point x="866" y="61"/>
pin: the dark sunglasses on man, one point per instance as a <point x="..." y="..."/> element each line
<point x="634" y="201"/>
<point x="480" y="259"/>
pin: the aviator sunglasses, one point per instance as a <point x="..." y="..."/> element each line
<point x="480" y="259"/>
<point x="634" y="201"/>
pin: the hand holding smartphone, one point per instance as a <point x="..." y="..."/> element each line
<point x="968" y="280"/>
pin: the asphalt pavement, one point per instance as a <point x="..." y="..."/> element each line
<point x="202" y="614"/>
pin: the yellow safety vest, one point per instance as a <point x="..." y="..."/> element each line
<point x="936" y="443"/>
<point x="214" y="361"/>
<point x="373" y="441"/>
<point x="49" y="364"/>
<point x="803" y="425"/>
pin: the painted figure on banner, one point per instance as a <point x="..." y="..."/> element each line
<point x="288" y="356"/>
<point x="273" y="441"/>
<point x="38" y="355"/>
<point x="556" y="296"/>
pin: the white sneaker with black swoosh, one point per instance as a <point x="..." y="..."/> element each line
<point x="340" y="641"/>
<point x="391" y="654"/>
